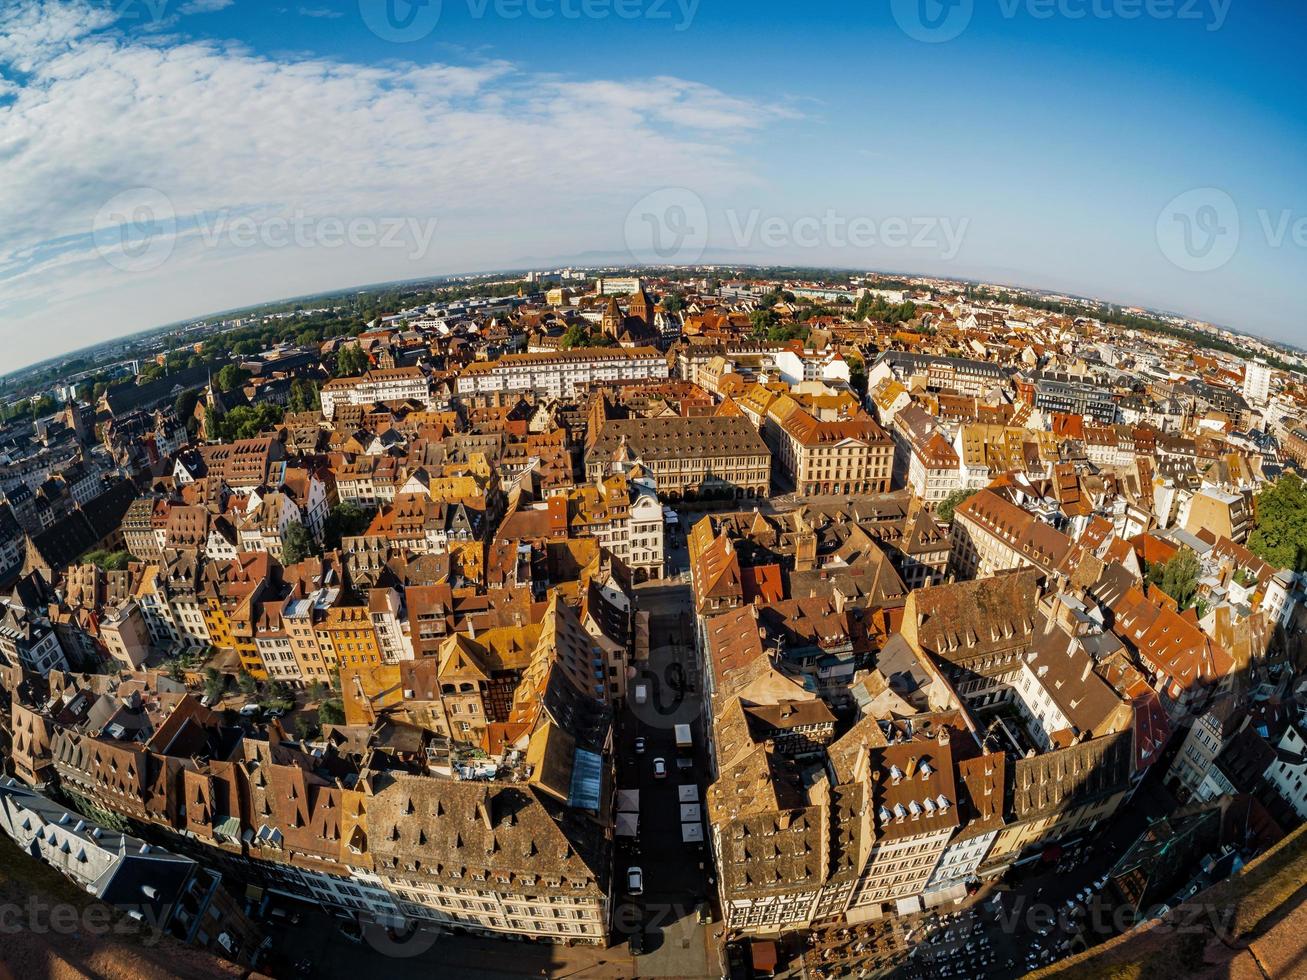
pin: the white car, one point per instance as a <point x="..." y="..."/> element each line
<point x="639" y="746"/>
<point x="249" y="711"/>
<point x="660" y="769"/>
<point x="635" y="881"/>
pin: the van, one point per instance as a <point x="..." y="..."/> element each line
<point x="641" y="693"/>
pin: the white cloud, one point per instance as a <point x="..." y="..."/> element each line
<point x="511" y="164"/>
<point x="205" y="6"/>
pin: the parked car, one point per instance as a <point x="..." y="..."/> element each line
<point x="639" y="746"/>
<point x="209" y="700"/>
<point x="637" y="943"/>
<point x="660" y="768"/>
<point x="249" y="711"/>
<point x="635" y="881"/>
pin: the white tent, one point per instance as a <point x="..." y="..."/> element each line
<point x="690" y="813"/>
<point x="628" y="801"/>
<point x="688" y="793"/>
<point x="692" y="833"/>
<point x="628" y="824"/>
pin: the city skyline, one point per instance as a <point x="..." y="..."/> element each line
<point x="320" y="148"/>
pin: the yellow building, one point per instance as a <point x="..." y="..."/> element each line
<point x="347" y="632"/>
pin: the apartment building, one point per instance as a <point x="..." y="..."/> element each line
<point x="379" y="385"/>
<point x="914" y="815"/>
<point x="560" y="374"/>
<point x="685" y="457"/>
<point x="836" y="456"/>
<point x="992" y="534"/>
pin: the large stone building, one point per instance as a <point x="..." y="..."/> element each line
<point x="686" y="457"/>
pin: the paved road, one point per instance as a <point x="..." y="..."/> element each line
<point x="675" y="873"/>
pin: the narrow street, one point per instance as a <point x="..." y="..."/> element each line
<point x="676" y="887"/>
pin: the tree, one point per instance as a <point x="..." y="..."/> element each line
<point x="247" y="683"/>
<point x="304" y="728"/>
<point x="184" y="406"/>
<point x="1280" y="536"/>
<point x="672" y="303"/>
<point x="1178" y="577"/>
<point x="331" y="712"/>
<point x="857" y="374"/>
<point x="317" y="691"/>
<point x="109" y="561"/>
<point x="231" y="376"/>
<point x="763" y="320"/>
<point x="951" y="503"/>
<point x="296" y="543"/>
<point x="304" y="396"/>
<point x="351" y="361"/>
<point x="343" y="521"/>
<point x="214" y="683"/>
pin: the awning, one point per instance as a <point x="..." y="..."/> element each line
<point x="692" y="833"/>
<point x="906" y="906"/>
<point x="690" y="813"/>
<point x="763" y="955"/>
<point x="687" y="793"/>
<point x="628" y="801"/>
<point x="628" y="825"/>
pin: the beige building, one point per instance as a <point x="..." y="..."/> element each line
<point x="125" y="635"/>
<point x="703" y="456"/>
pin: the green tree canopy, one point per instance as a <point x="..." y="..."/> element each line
<point x="1178" y="577"/>
<point x="951" y="503"/>
<point x="296" y="543"/>
<point x="304" y="396"/>
<point x="231" y="376"/>
<point x="331" y="712"/>
<point x="351" y="361"/>
<point x="1280" y="536"/>
<point x="343" y="521"/>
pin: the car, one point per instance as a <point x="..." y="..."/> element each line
<point x="660" y="768"/>
<point x="209" y="700"/>
<point x="249" y="711"/>
<point x="637" y="943"/>
<point x="634" y="881"/>
<point x="275" y="712"/>
<point x="639" y="746"/>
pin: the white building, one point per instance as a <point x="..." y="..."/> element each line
<point x="560" y="373"/>
<point x="381" y="385"/>
<point x="1288" y="773"/>
<point x="1257" y="382"/>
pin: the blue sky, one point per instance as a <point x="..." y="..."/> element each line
<point x="161" y="159"/>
